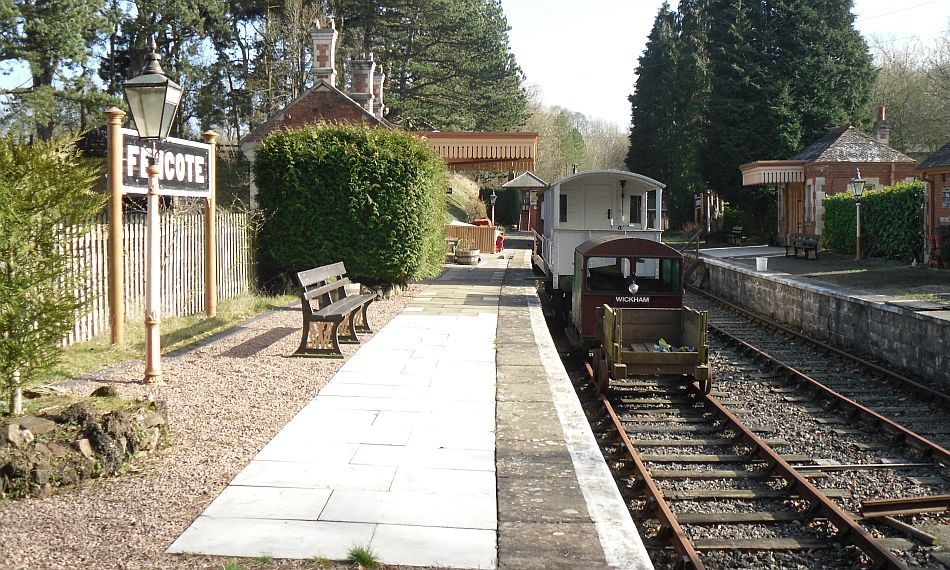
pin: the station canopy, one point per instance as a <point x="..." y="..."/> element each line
<point x="473" y="152"/>
<point x="772" y="172"/>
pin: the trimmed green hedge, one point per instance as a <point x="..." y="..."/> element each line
<point x="892" y="223"/>
<point x="373" y="198"/>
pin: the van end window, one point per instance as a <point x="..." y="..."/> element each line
<point x="562" y="211"/>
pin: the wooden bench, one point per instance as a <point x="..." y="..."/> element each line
<point x="803" y="243"/>
<point x="735" y="236"/>
<point x="327" y="309"/>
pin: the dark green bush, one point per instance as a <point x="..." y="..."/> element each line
<point x="370" y="197"/>
<point x="507" y="204"/>
<point x="508" y="207"/>
<point x="892" y="222"/>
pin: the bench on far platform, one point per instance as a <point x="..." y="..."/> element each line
<point x="735" y="236"/>
<point x="803" y="243"/>
<point x="327" y="308"/>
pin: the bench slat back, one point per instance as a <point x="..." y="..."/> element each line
<point x="318" y="274"/>
<point x="322" y="286"/>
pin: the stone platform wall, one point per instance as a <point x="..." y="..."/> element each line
<point x="917" y="342"/>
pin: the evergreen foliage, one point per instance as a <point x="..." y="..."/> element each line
<point x="449" y="63"/>
<point x="44" y="186"/>
<point x="652" y="133"/>
<point x="372" y="198"/>
<point x="724" y="82"/>
<point x="507" y="206"/>
<point x="54" y="38"/>
<point x="892" y="223"/>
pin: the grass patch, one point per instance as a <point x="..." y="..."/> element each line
<point x="232" y="565"/>
<point x="363" y="556"/>
<point x="177" y="333"/>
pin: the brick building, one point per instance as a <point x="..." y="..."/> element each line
<point x="324" y="102"/>
<point x="825" y="168"/>
<point x="935" y="172"/>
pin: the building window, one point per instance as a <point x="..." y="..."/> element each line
<point x="562" y="212"/>
<point x="651" y="209"/>
<point x="636" y="209"/>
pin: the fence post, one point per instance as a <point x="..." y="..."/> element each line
<point x="114" y="118"/>
<point x="211" y="246"/>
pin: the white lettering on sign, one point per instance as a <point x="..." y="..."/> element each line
<point x="182" y="166"/>
<point x="632" y="299"/>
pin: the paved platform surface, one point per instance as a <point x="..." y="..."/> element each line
<point x="452" y="438"/>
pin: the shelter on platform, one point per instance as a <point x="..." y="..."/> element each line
<point x="530" y="186"/>
<point x="935" y="172"/>
<point x="824" y="168"/>
<point x="485" y="152"/>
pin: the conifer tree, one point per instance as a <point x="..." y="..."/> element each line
<point x="652" y="134"/>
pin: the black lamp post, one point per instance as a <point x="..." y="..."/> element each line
<point x="492" y="198"/>
<point x="857" y="187"/>
<point x="153" y="101"/>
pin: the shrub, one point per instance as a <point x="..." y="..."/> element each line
<point x="44" y="186"/>
<point x="508" y="207"/>
<point x="370" y="197"/>
<point x="892" y="222"/>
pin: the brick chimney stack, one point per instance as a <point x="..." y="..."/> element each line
<point x="362" y="71"/>
<point x="324" y="52"/>
<point x="378" y="108"/>
<point x="882" y="129"/>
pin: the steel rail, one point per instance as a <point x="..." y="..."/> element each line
<point x="905" y="506"/>
<point x="937" y="452"/>
<point x="848" y="529"/>
<point x="689" y="557"/>
<point x="939" y="397"/>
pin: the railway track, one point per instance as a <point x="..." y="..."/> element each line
<point x="805" y="483"/>
<point x="903" y="407"/>
<point x="708" y="491"/>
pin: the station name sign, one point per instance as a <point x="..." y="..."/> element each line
<point x="182" y="166"/>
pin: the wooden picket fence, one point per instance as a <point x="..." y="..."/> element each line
<point x="182" y="247"/>
<point x="482" y="236"/>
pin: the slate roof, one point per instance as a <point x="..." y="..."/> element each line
<point x="314" y="110"/>
<point x="848" y="144"/>
<point x="526" y="180"/>
<point x="939" y="159"/>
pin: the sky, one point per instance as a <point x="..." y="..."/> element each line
<point x="582" y="55"/>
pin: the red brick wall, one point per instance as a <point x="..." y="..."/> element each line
<point x="838" y="176"/>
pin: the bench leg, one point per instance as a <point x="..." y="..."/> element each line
<point x="348" y="333"/>
<point x="323" y="342"/>
<point x="362" y="322"/>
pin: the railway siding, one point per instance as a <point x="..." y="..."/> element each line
<point x="915" y="341"/>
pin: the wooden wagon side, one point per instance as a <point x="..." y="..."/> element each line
<point x="628" y="337"/>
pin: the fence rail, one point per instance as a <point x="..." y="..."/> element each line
<point x="182" y="255"/>
<point x="483" y="236"/>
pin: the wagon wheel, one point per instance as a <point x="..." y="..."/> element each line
<point x="705" y="385"/>
<point x="599" y="364"/>
<point x="592" y="358"/>
<point x="603" y="378"/>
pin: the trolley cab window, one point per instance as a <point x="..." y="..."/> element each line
<point x="632" y="274"/>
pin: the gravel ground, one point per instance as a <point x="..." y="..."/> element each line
<point x="226" y="400"/>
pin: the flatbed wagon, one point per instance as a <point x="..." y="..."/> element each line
<point x="649" y="341"/>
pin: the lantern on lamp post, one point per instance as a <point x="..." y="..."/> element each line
<point x="857" y="187"/>
<point x="153" y="101"/>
